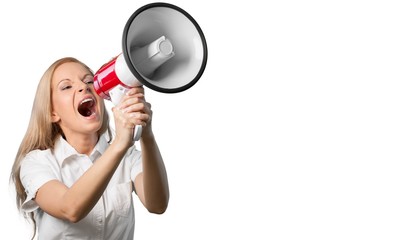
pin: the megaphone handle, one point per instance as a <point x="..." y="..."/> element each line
<point x="116" y="95"/>
<point x="137" y="133"/>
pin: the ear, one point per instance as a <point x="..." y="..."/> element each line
<point x="54" y="117"/>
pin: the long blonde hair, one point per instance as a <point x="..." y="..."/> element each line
<point x="42" y="132"/>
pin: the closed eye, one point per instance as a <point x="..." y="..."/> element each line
<point x="88" y="81"/>
<point x="65" y="87"/>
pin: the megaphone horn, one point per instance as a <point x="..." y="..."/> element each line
<point x="163" y="48"/>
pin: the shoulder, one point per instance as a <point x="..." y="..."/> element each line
<point x="38" y="159"/>
<point x="38" y="156"/>
<point x="37" y="153"/>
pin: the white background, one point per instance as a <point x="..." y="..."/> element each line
<point x="292" y="132"/>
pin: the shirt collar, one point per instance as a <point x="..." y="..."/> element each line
<point x="63" y="150"/>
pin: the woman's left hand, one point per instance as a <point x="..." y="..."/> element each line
<point x="136" y="109"/>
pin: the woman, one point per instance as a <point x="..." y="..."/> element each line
<point x="73" y="177"/>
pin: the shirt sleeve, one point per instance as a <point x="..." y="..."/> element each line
<point x="135" y="158"/>
<point x="35" y="171"/>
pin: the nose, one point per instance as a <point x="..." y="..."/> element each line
<point x="84" y="87"/>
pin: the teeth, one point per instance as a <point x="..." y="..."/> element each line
<point x="86" y="100"/>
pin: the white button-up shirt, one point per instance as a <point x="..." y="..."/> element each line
<point x="113" y="215"/>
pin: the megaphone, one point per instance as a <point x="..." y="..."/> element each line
<point x="163" y="48"/>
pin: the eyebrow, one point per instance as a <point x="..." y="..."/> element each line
<point x="62" y="80"/>
<point x="87" y="75"/>
<point x="67" y="79"/>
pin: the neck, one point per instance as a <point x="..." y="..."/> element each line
<point x="83" y="144"/>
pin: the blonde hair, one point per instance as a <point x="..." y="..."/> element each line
<point x="42" y="132"/>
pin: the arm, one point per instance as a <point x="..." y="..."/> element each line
<point x="152" y="184"/>
<point x="76" y="202"/>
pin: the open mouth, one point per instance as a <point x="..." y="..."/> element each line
<point x="87" y="107"/>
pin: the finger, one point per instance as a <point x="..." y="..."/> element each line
<point x="135" y="119"/>
<point x="147" y="109"/>
<point x="137" y="107"/>
<point x="129" y="120"/>
<point x="134" y="91"/>
<point x="129" y="101"/>
<point x="136" y="95"/>
<point x="139" y="117"/>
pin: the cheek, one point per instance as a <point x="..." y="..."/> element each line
<point x="61" y="104"/>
